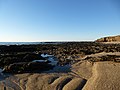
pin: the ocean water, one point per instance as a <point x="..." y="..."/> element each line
<point x="27" y="43"/>
<point x="19" y="43"/>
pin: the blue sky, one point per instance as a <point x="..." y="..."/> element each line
<point x="58" y="20"/>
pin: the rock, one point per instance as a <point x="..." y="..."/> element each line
<point x="105" y="77"/>
<point x="83" y="69"/>
<point x="98" y="76"/>
<point x="39" y="66"/>
<point x="110" y="56"/>
<point x="27" y="67"/>
<point x="30" y="57"/>
<point x="15" y="67"/>
<point x="15" y="58"/>
<point x="9" y="59"/>
<point x="75" y="84"/>
<point x="13" y="49"/>
<point x="109" y="39"/>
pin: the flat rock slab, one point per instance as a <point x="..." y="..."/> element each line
<point x="82" y="69"/>
<point x="106" y="76"/>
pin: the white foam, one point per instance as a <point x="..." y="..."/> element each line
<point x="52" y="61"/>
<point x="50" y="58"/>
<point x="46" y="55"/>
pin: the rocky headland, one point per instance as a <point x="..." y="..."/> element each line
<point x="62" y="66"/>
<point x="109" y="39"/>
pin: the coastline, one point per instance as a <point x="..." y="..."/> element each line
<point x="28" y="67"/>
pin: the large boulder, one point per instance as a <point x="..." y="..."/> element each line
<point x="15" y="58"/>
<point x="6" y="60"/>
<point x="27" y="67"/>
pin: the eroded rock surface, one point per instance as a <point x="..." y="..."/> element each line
<point x="105" y="77"/>
<point x="43" y="82"/>
<point x="84" y="76"/>
<point x="83" y="69"/>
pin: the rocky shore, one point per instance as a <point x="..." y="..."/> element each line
<point x="62" y="66"/>
<point x="20" y="57"/>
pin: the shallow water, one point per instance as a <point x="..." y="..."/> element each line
<point x="1" y="70"/>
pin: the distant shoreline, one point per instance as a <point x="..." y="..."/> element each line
<point x="37" y="43"/>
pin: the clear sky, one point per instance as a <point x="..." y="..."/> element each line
<point x="58" y="20"/>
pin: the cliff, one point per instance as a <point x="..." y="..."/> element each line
<point x="109" y="39"/>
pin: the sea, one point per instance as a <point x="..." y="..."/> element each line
<point x="28" y="43"/>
